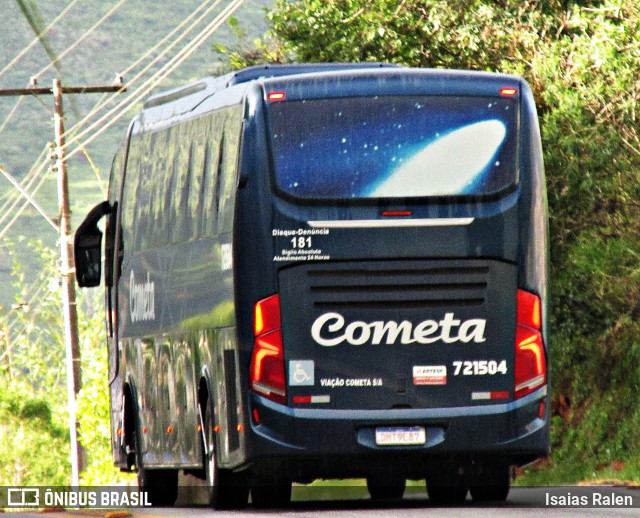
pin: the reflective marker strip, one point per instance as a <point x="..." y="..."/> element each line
<point x="489" y="395"/>
<point x="389" y="223"/>
<point x="532" y="383"/>
<point x="311" y="399"/>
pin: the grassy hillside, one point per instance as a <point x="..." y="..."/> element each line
<point x="109" y="49"/>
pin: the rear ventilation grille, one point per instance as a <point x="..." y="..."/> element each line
<point x="397" y="284"/>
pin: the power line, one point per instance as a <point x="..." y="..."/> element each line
<point x="132" y="80"/>
<point x="158" y="76"/>
<point x="37" y="38"/>
<point x="25" y="205"/>
<point x="157" y="58"/>
<point x="81" y="38"/>
<point x="142" y="91"/>
<point x="138" y="94"/>
<point x="29" y="198"/>
<point x="26" y="181"/>
<point x="14" y="199"/>
<point x="13" y="111"/>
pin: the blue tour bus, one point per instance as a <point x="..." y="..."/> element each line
<point x="327" y="271"/>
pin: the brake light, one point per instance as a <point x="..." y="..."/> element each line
<point x="267" y="361"/>
<point x="396" y="213"/>
<point x="530" y="360"/>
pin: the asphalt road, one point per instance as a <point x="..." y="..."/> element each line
<point x="584" y="501"/>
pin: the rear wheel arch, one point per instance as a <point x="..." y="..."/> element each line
<point x="226" y="489"/>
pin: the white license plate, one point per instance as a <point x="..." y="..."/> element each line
<point x="400" y="436"/>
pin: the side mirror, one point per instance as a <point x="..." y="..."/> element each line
<point x="87" y="247"/>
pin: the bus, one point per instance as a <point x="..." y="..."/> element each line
<point x="327" y="271"/>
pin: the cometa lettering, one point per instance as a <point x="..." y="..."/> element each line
<point x="142" y="299"/>
<point x="331" y="329"/>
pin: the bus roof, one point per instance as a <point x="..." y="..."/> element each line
<point x="184" y="99"/>
<point x="212" y="85"/>
<point x="312" y="80"/>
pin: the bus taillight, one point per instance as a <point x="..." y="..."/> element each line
<point x="530" y="360"/>
<point x="267" y="361"/>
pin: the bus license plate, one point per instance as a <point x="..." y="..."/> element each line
<point x="400" y="436"/>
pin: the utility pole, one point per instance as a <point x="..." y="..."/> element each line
<point x="67" y="265"/>
<point x="67" y="270"/>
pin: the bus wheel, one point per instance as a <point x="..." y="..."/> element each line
<point x="386" y="487"/>
<point x="269" y="494"/>
<point x="446" y="488"/>
<point x="491" y="483"/>
<point x="161" y="485"/>
<point x="226" y="490"/>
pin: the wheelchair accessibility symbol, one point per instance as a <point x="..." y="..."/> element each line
<point x="301" y="373"/>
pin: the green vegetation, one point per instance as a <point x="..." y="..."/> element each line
<point x="581" y="60"/>
<point x="34" y="434"/>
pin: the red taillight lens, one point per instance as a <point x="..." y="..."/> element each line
<point x="530" y="360"/>
<point x="529" y="312"/>
<point x="267" y="372"/>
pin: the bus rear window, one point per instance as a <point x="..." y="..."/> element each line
<point x="389" y="147"/>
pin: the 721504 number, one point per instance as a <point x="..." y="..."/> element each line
<point x="479" y="367"/>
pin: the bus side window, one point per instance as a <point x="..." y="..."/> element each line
<point x="144" y="199"/>
<point x="180" y="195"/>
<point x="130" y="196"/>
<point x="228" y="171"/>
<point x="210" y="183"/>
<point x="160" y="172"/>
<point x="164" y="171"/>
<point x="197" y="173"/>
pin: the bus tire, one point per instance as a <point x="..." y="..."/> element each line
<point x="226" y="489"/>
<point x="386" y="487"/>
<point x="447" y="488"/>
<point x="270" y="494"/>
<point x="491" y="483"/>
<point x="161" y="485"/>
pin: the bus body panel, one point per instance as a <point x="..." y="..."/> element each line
<point x="399" y="333"/>
<point x="174" y="290"/>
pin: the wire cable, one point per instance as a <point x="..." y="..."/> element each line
<point x="135" y="97"/>
<point x="12" y="196"/>
<point x="27" y="181"/>
<point x="25" y="204"/>
<point x="13" y="111"/>
<point x="180" y="28"/>
<point x="37" y="38"/>
<point x="25" y="194"/>
<point x="81" y="38"/>
<point x="119" y="111"/>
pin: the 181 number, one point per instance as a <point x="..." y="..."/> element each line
<point x="479" y="368"/>
<point x="301" y="242"/>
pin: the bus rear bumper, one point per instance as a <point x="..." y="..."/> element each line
<point x="324" y="443"/>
